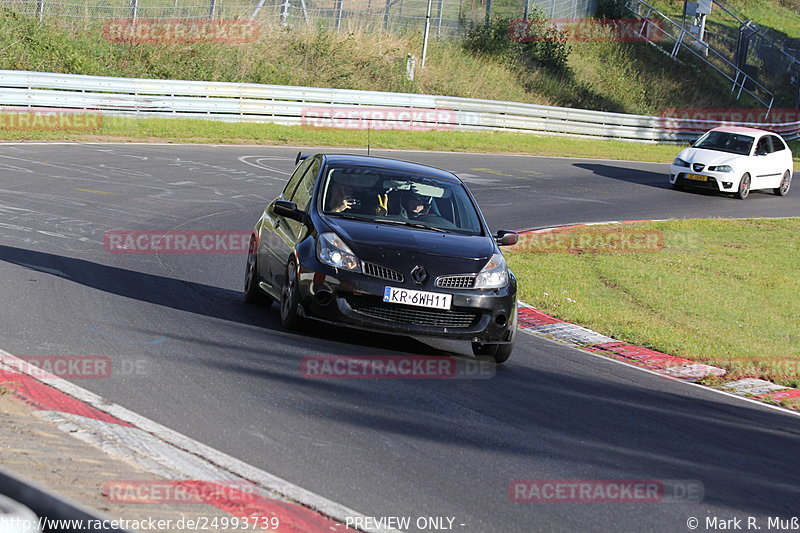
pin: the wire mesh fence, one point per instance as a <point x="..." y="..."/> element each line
<point x="448" y="17"/>
<point x="763" y="58"/>
<point x="764" y="55"/>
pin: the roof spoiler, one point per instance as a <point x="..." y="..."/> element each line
<point x="300" y="157"/>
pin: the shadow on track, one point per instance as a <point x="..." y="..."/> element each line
<point x="607" y="427"/>
<point x="630" y="175"/>
<point x="188" y="296"/>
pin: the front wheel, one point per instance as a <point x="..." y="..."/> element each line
<point x="744" y="187"/>
<point x="786" y="182"/>
<point x="290" y="298"/>
<point x="252" y="293"/>
<point x="499" y="352"/>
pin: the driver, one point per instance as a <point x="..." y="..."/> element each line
<point x="342" y="197"/>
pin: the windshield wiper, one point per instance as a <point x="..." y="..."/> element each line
<point x="409" y="223"/>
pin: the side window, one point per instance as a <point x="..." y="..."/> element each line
<point x="298" y="174"/>
<point x="764" y="145"/>
<point x="302" y="195"/>
<point x="777" y="144"/>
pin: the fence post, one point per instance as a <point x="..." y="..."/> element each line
<point x="285" y="13"/>
<point x="212" y="9"/>
<point x="440" y="7"/>
<point x="258" y="7"/>
<point x="427" y="31"/>
<point x="386" y="15"/>
<point x="305" y="11"/>
<point x="338" y="14"/>
<point x="40" y="9"/>
<point x="488" y="11"/>
<point x="134" y="9"/>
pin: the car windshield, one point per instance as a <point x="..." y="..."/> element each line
<point x="393" y="197"/>
<point x="723" y="141"/>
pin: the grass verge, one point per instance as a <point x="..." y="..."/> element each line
<point x="722" y="292"/>
<point x="117" y="129"/>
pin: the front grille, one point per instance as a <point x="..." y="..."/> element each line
<point x="412" y="316"/>
<point x="377" y="271"/>
<point x="456" y="282"/>
<point x="698" y="167"/>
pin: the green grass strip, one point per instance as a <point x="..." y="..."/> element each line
<point x="722" y="292"/>
<point x="215" y="132"/>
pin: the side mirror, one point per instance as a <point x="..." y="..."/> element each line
<point x="288" y="209"/>
<point x="505" y="237"/>
<point x="691" y="143"/>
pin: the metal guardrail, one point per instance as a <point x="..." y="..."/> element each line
<point x="316" y="107"/>
<point x="61" y="514"/>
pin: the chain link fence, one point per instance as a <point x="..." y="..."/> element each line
<point x="448" y="17"/>
<point x="760" y="57"/>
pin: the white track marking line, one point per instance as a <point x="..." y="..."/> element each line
<point x="214" y="458"/>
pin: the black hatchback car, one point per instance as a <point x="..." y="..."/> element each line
<point x="384" y="245"/>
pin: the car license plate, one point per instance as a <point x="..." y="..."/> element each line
<point x="434" y="300"/>
<point x="696" y="177"/>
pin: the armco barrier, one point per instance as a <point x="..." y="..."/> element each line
<point x="46" y="504"/>
<point x="247" y="102"/>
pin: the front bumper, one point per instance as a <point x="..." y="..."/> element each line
<point x="355" y="299"/>
<point x="715" y="181"/>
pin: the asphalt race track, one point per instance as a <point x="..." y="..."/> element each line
<point x="189" y="354"/>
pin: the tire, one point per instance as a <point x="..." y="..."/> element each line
<point x="252" y="293"/>
<point x="499" y="352"/>
<point x="744" y="187"/>
<point x="786" y="182"/>
<point x="290" y="299"/>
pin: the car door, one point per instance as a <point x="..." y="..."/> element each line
<point x="761" y="166"/>
<point x="289" y="232"/>
<point x="269" y="240"/>
<point x="779" y="161"/>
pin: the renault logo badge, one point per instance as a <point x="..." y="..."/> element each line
<point x="419" y="275"/>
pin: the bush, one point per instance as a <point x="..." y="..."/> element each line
<point x="612" y="9"/>
<point x="534" y="40"/>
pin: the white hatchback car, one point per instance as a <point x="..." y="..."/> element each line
<point x="735" y="160"/>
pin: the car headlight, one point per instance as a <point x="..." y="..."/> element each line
<point x="721" y="168"/>
<point x="493" y="275"/>
<point x="678" y="162"/>
<point x="332" y="251"/>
